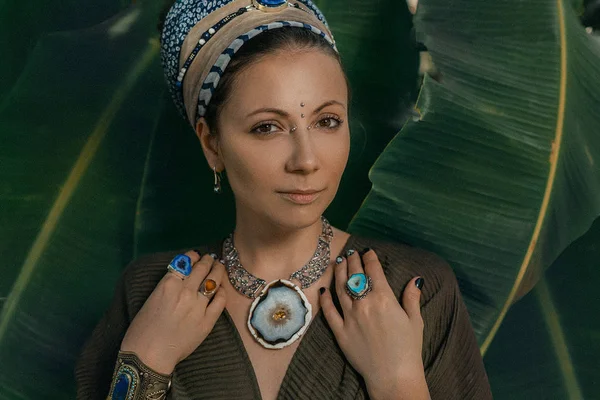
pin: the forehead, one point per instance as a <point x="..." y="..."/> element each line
<point x="285" y="78"/>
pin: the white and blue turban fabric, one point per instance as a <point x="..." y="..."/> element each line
<point x="200" y="37"/>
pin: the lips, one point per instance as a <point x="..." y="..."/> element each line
<point x="304" y="196"/>
<point x="299" y="191"/>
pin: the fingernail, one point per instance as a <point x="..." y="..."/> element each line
<point x="419" y="283"/>
<point x="339" y="260"/>
<point x="349" y="252"/>
<point x="322" y="290"/>
<point x="198" y="252"/>
<point x="213" y="255"/>
<point x="364" y="251"/>
<point x="222" y="261"/>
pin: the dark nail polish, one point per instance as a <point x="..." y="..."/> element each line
<point x="213" y="255"/>
<point x="222" y="261"/>
<point x="349" y="252"/>
<point x="419" y="283"/>
<point x="197" y="252"/>
<point x="322" y="290"/>
<point x="364" y="251"/>
<point x="339" y="260"/>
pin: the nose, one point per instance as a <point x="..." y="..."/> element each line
<point x="304" y="158"/>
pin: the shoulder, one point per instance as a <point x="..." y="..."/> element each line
<point x="401" y="262"/>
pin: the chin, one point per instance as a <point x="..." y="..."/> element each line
<point x="297" y="217"/>
<point x="285" y="214"/>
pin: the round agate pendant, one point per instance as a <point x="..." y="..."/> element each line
<point x="279" y="315"/>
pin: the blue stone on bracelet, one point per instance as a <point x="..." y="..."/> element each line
<point x="122" y="386"/>
<point x="271" y="3"/>
<point x="125" y="384"/>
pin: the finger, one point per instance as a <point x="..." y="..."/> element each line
<point x="194" y="255"/>
<point x="341" y="276"/>
<point x="216" y="274"/>
<point x="374" y="269"/>
<point x="411" y="299"/>
<point x="354" y="264"/>
<point x="333" y="317"/>
<point x="215" y="308"/>
<point x="412" y="6"/>
<point x="199" y="272"/>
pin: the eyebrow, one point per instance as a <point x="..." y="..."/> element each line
<point x="285" y="114"/>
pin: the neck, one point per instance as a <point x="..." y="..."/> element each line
<point x="270" y="251"/>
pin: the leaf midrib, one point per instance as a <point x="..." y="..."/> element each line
<point x="554" y="156"/>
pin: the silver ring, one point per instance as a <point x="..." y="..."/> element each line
<point x="358" y="286"/>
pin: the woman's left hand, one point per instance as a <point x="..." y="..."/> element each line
<point x="381" y="339"/>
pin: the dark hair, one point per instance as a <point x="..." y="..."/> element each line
<point x="268" y="42"/>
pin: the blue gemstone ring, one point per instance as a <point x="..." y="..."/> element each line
<point x="181" y="265"/>
<point x="358" y="286"/>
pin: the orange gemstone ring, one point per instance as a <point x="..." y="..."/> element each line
<point x="208" y="287"/>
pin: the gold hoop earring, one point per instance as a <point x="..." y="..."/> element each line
<point x="217" y="184"/>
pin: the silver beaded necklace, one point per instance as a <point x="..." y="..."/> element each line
<point x="280" y="312"/>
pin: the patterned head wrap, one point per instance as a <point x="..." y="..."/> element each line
<point x="200" y="37"/>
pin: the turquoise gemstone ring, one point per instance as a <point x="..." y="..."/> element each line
<point x="358" y="286"/>
<point x="181" y="265"/>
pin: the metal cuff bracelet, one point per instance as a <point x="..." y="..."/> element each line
<point x="133" y="380"/>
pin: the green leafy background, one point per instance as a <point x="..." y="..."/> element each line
<point x="91" y="150"/>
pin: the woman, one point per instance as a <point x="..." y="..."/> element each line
<point x="248" y="317"/>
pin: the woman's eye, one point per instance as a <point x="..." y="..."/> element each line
<point x="329" y="122"/>
<point x="264" y="129"/>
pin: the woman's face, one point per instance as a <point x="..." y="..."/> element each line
<point x="269" y="167"/>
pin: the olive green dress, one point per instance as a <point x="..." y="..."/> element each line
<point x="220" y="368"/>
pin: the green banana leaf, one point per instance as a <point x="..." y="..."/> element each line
<point x="74" y="148"/>
<point x="24" y="21"/>
<point x="548" y="347"/>
<point x="499" y="174"/>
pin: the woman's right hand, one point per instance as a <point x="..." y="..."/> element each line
<point x="176" y="317"/>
